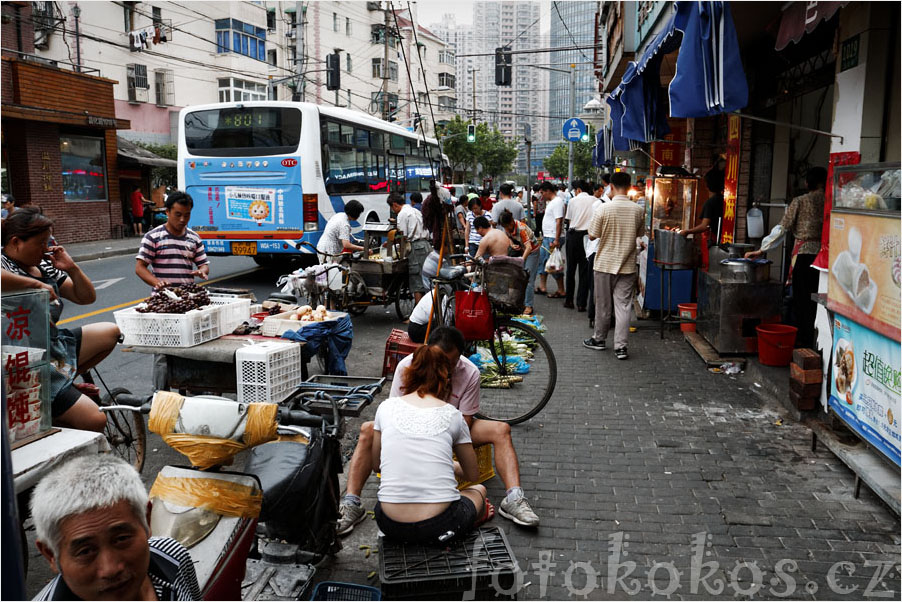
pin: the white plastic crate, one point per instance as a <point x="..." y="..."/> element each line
<point x="234" y="311"/>
<point x="267" y="372"/>
<point x="279" y="324"/>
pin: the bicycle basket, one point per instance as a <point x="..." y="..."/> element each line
<point x="506" y="282"/>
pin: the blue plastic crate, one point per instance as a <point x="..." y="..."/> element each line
<point x="333" y="590"/>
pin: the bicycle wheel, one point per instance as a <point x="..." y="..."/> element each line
<point x="355" y="299"/>
<point x="404" y="303"/>
<point x="125" y="431"/>
<point x="518" y="373"/>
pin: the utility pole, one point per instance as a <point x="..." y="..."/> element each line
<point x="300" y="18"/>
<point x="572" y="114"/>
<point x="76" y="12"/>
<point x="473" y="73"/>
<point x="385" y="34"/>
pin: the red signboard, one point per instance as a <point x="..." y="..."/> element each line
<point x="731" y="180"/>
<point x="289" y="162"/>
<point x="822" y="260"/>
<point x="669" y="153"/>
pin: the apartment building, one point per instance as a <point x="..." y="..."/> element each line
<point x="572" y="26"/>
<point x="517" y="109"/>
<point x="168" y="55"/>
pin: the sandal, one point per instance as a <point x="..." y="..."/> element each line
<point x="528" y="311"/>
<point x="556" y="295"/>
<point x="542" y="290"/>
<point x="487" y="515"/>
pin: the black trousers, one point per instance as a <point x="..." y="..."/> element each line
<point x="590" y="261"/>
<point x="577" y="265"/>
<point x="804" y="284"/>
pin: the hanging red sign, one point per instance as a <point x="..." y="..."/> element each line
<point x="731" y="180"/>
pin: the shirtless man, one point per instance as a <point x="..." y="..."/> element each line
<point x="494" y="242"/>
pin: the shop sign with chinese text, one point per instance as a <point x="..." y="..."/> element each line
<point x="731" y="180"/>
<point x="865" y="387"/>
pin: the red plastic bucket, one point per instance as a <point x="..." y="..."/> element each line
<point x="775" y="343"/>
<point x="688" y="311"/>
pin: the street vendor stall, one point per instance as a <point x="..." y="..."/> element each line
<point x="379" y="276"/>
<point x="666" y="272"/>
<point x="864" y="295"/>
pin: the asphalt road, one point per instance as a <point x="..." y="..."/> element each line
<point x="119" y="287"/>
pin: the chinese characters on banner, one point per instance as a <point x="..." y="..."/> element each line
<point x="669" y="153"/>
<point x="731" y="180"/>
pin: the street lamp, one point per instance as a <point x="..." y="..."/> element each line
<point x="76" y="12"/>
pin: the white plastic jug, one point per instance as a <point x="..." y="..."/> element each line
<point x="754" y="219"/>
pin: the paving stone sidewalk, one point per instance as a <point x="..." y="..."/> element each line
<point x="705" y="485"/>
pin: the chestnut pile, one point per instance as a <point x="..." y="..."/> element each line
<point x="175" y="299"/>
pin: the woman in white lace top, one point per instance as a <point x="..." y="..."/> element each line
<point x="413" y="440"/>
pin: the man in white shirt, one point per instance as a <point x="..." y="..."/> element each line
<point x="564" y="194"/>
<point x="579" y="214"/>
<point x="410" y="224"/>
<point x="504" y="203"/>
<point x="336" y="237"/>
<point x="552" y="228"/>
<point x="601" y="197"/>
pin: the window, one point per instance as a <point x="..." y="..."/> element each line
<point x="348" y="65"/>
<point x="164" y="87"/>
<point x="136" y="80"/>
<point x="157" y="14"/>
<point x="84" y="168"/>
<point x="222" y="132"/>
<point x="244" y="38"/>
<point x="378" y="36"/>
<point x="272" y="58"/>
<point x="347" y="26"/>
<point x="392" y="69"/>
<point x="271" y="19"/>
<point x="446" y="57"/>
<point x="446" y="80"/>
<point x="447" y="103"/>
<point x="335" y="22"/>
<point x="128" y="12"/>
<point x="237" y="90"/>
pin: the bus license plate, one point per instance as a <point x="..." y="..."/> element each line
<point x="244" y="248"/>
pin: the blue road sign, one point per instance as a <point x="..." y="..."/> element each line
<point x="574" y="129"/>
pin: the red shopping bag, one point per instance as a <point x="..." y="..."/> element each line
<point x="473" y="315"/>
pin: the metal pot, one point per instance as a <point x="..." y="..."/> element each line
<point x="738" y="249"/>
<point x="744" y="271"/>
<point x="673" y="251"/>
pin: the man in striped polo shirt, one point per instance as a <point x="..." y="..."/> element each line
<point x="173" y="253"/>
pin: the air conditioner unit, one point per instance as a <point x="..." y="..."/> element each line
<point x="138" y="94"/>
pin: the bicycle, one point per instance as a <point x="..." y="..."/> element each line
<point x="125" y="430"/>
<point x="518" y="368"/>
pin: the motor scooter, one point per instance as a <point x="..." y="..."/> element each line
<point x="253" y="534"/>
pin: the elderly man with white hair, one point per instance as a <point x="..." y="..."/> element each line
<point x="91" y="517"/>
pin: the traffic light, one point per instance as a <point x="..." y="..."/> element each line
<point x="416" y="120"/>
<point x="471" y="133"/>
<point x="333" y="71"/>
<point x="502" y="66"/>
<point x="587" y="135"/>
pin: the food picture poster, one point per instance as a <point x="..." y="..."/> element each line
<point x="865" y="388"/>
<point x="864" y="270"/>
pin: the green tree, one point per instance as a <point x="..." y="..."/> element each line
<point x="460" y="152"/>
<point x="557" y="162"/>
<point x="161" y="176"/>
<point x="496" y="154"/>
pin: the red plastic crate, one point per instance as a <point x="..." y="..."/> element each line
<point x="397" y="347"/>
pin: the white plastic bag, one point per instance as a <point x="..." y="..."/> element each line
<point x="555" y="262"/>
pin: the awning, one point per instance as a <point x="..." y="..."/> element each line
<point x="131" y="152"/>
<point x="800" y="18"/>
<point x="709" y="77"/>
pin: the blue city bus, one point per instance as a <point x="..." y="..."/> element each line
<point x="268" y="175"/>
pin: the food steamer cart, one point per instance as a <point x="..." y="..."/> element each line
<point x="670" y="204"/>
<point x="863" y="302"/>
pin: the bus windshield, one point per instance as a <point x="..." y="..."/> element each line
<point x="237" y="130"/>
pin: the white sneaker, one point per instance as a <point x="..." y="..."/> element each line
<point x="351" y="515"/>
<point x="519" y="512"/>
